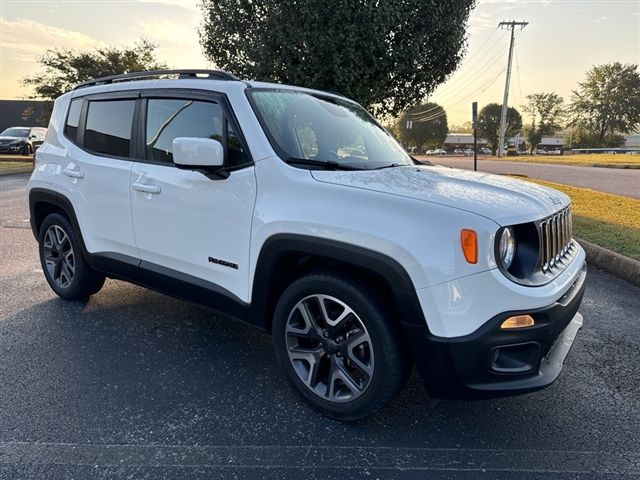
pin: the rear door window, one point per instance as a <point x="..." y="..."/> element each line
<point x="108" y="127"/>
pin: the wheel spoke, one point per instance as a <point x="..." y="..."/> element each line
<point x="355" y="342"/>
<point x="347" y="379"/>
<point x="312" y="358"/>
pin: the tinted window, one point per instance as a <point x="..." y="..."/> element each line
<point x="73" y="119"/>
<point x="108" y="128"/>
<point x="169" y="119"/>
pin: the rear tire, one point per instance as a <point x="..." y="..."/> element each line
<point x="64" y="266"/>
<point x="338" y="346"/>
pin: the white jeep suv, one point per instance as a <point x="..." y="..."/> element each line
<point x="293" y="210"/>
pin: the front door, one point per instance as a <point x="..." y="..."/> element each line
<point x="186" y="224"/>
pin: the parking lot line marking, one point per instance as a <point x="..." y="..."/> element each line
<point x="320" y="457"/>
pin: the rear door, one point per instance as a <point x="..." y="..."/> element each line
<point x="95" y="170"/>
<point x="188" y="225"/>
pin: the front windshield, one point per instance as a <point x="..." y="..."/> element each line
<point x="15" y="132"/>
<point x="325" y="129"/>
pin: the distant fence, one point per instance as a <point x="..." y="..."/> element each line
<point x="606" y="150"/>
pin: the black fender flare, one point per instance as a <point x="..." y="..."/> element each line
<point x="51" y="197"/>
<point x="395" y="276"/>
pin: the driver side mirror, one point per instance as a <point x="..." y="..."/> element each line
<point x="205" y="155"/>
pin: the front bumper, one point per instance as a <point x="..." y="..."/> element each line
<point x="492" y="362"/>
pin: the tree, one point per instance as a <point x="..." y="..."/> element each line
<point x="580" y="137"/>
<point x="489" y="123"/>
<point x="547" y="112"/>
<point x="466" y="127"/>
<point x="63" y="68"/>
<point x="430" y="128"/>
<point x="607" y="103"/>
<point x="386" y="55"/>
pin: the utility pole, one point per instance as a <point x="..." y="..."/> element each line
<point x="503" y="118"/>
<point x="474" y="124"/>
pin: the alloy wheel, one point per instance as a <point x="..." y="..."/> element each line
<point x="329" y="348"/>
<point x="59" y="257"/>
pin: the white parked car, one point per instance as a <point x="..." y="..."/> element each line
<point x="247" y="198"/>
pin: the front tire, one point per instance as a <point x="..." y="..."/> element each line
<point x="63" y="264"/>
<point x="26" y="150"/>
<point x="338" y="346"/>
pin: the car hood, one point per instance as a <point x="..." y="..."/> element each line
<point x="505" y="200"/>
<point x="4" y="138"/>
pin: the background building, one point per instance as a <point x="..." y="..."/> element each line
<point x="21" y="113"/>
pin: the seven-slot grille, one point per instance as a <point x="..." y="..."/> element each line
<point x="555" y="238"/>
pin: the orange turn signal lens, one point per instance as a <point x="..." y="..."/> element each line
<point x="519" y="321"/>
<point x="469" y="241"/>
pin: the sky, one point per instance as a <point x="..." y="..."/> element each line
<point x="563" y="40"/>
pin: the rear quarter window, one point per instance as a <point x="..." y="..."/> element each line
<point x="73" y="119"/>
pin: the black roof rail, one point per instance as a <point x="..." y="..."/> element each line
<point x="204" y="74"/>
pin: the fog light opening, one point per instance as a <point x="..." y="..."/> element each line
<point x="518" y="321"/>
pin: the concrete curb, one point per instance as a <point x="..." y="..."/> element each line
<point x="622" y="267"/>
<point x="14" y="171"/>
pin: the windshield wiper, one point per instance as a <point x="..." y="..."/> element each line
<point x="326" y="164"/>
<point x="391" y="165"/>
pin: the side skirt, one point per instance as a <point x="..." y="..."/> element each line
<point x="173" y="283"/>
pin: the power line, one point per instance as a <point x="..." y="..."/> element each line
<point x="482" y="89"/>
<point x="446" y="96"/>
<point x="486" y="82"/>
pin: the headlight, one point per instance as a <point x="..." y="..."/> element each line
<point x="507" y="247"/>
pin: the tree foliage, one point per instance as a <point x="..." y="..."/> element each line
<point x="387" y="55"/>
<point x="465" y="127"/>
<point x="607" y="103"/>
<point x="547" y="113"/>
<point x="489" y="123"/>
<point x="580" y="137"/>
<point x="430" y="132"/>
<point x="63" y="68"/>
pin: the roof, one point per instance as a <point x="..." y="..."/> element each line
<point x="632" y="140"/>
<point x="552" y="141"/>
<point x="460" y="138"/>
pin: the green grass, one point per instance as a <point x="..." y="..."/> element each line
<point x="611" y="221"/>
<point x="7" y="165"/>
<point x="591" y="159"/>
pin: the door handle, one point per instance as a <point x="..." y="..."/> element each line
<point x="143" y="187"/>
<point x="69" y="172"/>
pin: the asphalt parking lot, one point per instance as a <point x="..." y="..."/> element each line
<point x="133" y="384"/>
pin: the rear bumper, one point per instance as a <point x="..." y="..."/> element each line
<point x="492" y="362"/>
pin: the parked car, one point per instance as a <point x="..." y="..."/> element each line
<point x="22" y="140"/>
<point x="458" y="151"/>
<point x="486" y="151"/>
<point x="201" y="187"/>
<point x="541" y="151"/>
<point x="468" y="151"/>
